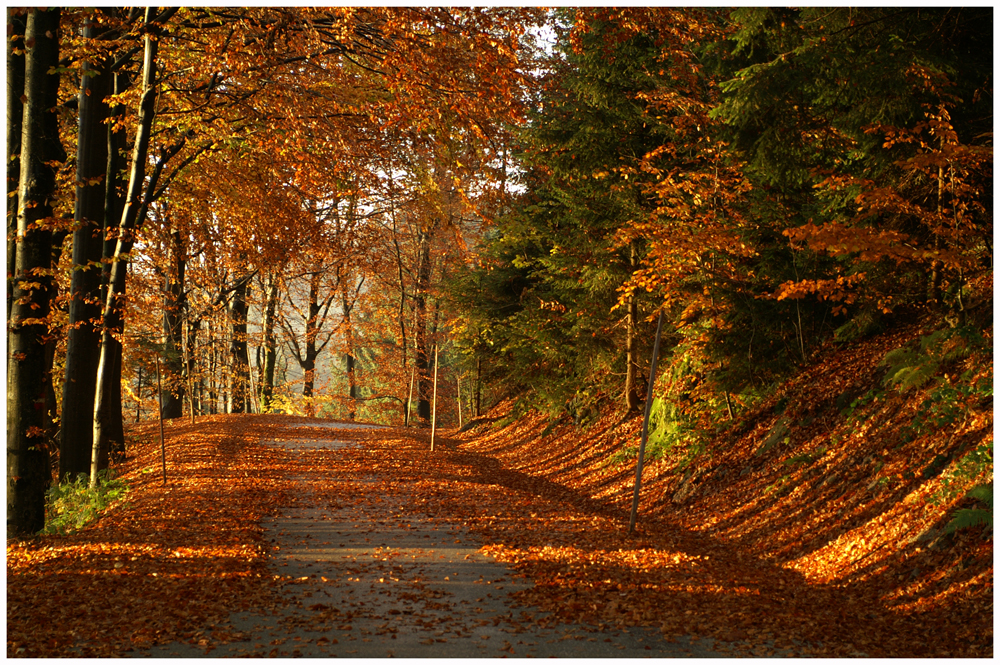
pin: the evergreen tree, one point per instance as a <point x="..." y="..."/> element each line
<point x="556" y="270"/>
<point x="872" y="126"/>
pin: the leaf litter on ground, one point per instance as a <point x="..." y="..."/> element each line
<point x="173" y="561"/>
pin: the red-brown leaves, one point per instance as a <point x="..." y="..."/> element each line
<point x="170" y="563"/>
<point x="823" y="570"/>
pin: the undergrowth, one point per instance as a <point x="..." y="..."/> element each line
<point x="72" y="505"/>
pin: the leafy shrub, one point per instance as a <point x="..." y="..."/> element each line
<point x="668" y="429"/>
<point x="71" y="505"/>
<point x="284" y="404"/>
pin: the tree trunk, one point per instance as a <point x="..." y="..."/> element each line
<point x="15" y="116"/>
<point x="192" y="367"/>
<point x="84" y="338"/>
<point x="404" y="346"/>
<point x="424" y="386"/>
<point x="213" y="365"/>
<point x="28" y="473"/>
<point x="312" y="329"/>
<point x="106" y="418"/>
<point x="238" y="349"/>
<point x="173" y="329"/>
<point x="115" y="184"/>
<point x="113" y="432"/>
<point x="479" y="386"/>
<point x="349" y="359"/>
<point x="270" y="343"/>
<point x="633" y="391"/>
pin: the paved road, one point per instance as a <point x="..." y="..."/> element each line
<point x="372" y="581"/>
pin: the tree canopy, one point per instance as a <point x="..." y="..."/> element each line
<point x="298" y="209"/>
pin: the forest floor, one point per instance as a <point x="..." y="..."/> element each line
<point x="236" y="554"/>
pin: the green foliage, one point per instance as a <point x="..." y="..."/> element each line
<point x="72" y="505"/>
<point x="669" y="428"/>
<point x="948" y="403"/>
<point x="965" y="518"/>
<point x="860" y="402"/>
<point x="863" y="91"/>
<point x="970" y="466"/>
<point x="670" y="432"/>
<point x="950" y="398"/>
<point x="541" y="304"/>
<point x="808" y="458"/>
<point x="694" y="185"/>
<point x="912" y="367"/>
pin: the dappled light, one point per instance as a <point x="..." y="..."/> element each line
<point x="500" y="331"/>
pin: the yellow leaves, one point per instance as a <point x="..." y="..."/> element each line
<point x="552" y="305"/>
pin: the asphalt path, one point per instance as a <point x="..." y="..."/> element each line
<point x="371" y="580"/>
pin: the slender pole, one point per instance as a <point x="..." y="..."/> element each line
<point x="409" y="398"/>
<point x="434" y="411"/>
<point x="459" y="402"/>
<point x="163" y="448"/>
<point x="645" y="424"/>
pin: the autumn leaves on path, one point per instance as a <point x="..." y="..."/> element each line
<point x="270" y="540"/>
<point x="225" y="558"/>
<point x="370" y="572"/>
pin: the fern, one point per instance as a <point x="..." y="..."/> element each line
<point x="910" y="368"/>
<point x="966" y="518"/>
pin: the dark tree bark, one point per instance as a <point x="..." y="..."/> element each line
<point x="15" y="116"/>
<point x="423" y="361"/>
<point x="173" y="328"/>
<point x="213" y="365"/>
<point x="270" y="342"/>
<point x="191" y="367"/>
<point x="308" y="359"/>
<point x="83" y="341"/>
<point x="633" y="392"/>
<point x="348" y="300"/>
<point x="115" y="183"/>
<point x="479" y="386"/>
<point x="238" y="349"/>
<point x="403" y="342"/>
<point x="113" y="431"/>
<point x="28" y="473"/>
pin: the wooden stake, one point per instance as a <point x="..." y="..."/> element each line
<point x="645" y="425"/>
<point x="434" y="410"/>
<point x="163" y="448"/>
<point x="459" y="402"/>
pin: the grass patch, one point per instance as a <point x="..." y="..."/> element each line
<point x="72" y="505"/>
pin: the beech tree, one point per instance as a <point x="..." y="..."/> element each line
<point x="28" y="473"/>
<point x="83" y="336"/>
